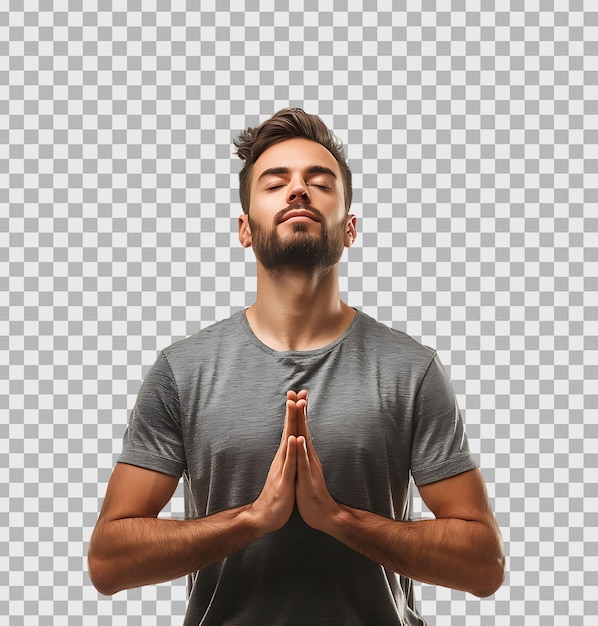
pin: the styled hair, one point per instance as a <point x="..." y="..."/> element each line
<point x="287" y="124"/>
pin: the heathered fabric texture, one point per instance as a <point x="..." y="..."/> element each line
<point x="380" y="410"/>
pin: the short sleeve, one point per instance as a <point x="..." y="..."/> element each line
<point x="439" y="445"/>
<point x="154" y="439"/>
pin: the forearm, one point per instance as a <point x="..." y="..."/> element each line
<point x="456" y="553"/>
<point x="131" y="552"/>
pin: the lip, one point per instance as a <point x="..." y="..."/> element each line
<point x="298" y="214"/>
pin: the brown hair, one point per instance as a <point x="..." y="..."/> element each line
<point x="287" y="124"/>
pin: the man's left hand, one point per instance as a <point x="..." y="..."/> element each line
<point x="314" y="502"/>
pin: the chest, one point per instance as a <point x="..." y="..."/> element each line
<point x="359" y="420"/>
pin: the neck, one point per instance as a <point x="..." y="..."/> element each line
<point x="298" y="309"/>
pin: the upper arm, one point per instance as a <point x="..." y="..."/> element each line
<point x="463" y="496"/>
<point x="136" y="492"/>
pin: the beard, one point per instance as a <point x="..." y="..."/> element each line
<point x="301" y="248"/>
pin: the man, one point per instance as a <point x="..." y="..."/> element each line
<point x="297" y="425"/>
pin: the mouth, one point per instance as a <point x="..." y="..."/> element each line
<point x="298" y="215"/>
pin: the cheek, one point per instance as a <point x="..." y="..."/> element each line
<point x="263" y="205"/>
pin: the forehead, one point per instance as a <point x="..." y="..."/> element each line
<point x="295" y="154"/>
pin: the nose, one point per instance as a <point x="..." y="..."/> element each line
<point x="297" y="191"/>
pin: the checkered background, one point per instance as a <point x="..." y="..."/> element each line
<point x="472" y="133"/>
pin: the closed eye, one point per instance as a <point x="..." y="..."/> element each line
<point x="316" y="185"/>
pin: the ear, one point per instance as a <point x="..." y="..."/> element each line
<point x="350" y="231"/>
<point x="244" y="231"/>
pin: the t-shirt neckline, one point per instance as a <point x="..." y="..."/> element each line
<point x="298" y="353"/>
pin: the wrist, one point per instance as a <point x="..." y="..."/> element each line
<point x="337" y="521"/>
<point x="256" y="520"/>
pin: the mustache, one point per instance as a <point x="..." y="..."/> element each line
<point x="298" y="206"/>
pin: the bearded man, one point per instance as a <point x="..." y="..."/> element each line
<point x="298" y="425"/>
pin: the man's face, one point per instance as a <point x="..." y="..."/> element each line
<point x="297" y="213"/>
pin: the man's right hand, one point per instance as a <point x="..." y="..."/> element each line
<point x="132" y="546"/>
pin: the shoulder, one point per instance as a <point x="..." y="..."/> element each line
<point x="392" y="357"/>
<point x="387" y="340"/>
<point x="185" y="359"/>
<point x="205" y="341"/>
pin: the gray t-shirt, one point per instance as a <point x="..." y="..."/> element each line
<point x="381" y="410"/>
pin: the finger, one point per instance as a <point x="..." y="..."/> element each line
<point x="308" y="464"/>
<point x="302" y="395"/>
<point x="291" y="397"/>
<point x="289" y="470"/>
<point x="304" y="434"/>
<point x="302" y="425"/>
<point x="303" y="466"/>
<point x="290" y="421"/>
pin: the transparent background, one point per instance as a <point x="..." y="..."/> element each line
<point x="472" y="133"/>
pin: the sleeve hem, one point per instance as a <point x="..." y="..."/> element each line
<point x="149" y="461"/>
<point x="447" y="469"/>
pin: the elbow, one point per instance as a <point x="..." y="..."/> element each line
<point x="104" y="571"/>
<point x="491" y="566"/>
<point x="102" y="575"/>
<point x="491" y="579"/>
<point x="98" y="580"/>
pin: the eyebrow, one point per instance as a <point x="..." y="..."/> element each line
<point x="314" y="169"/>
